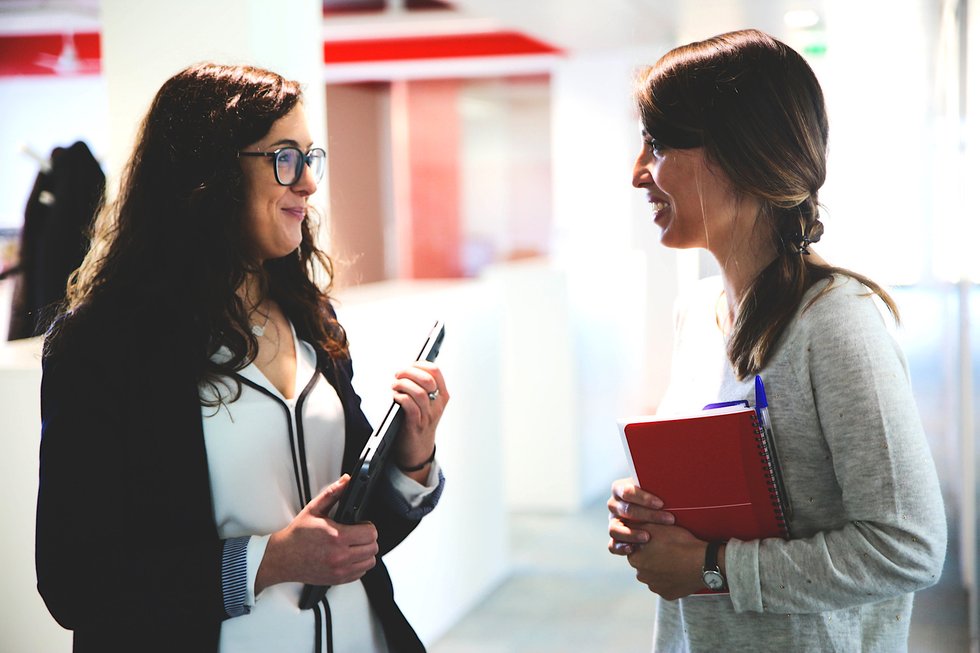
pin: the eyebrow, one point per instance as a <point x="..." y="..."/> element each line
<point x="290" y="142"/>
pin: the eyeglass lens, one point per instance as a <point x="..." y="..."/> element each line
<point x="289" y="164"/>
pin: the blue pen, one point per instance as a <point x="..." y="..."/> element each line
<point x="762" y="410"/>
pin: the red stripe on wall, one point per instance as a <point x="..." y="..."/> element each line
<point x="495" y="44"/>
<point x="38" y="54"/>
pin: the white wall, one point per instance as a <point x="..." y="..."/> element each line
<point x="460" y="551"/>
<point x="538" y="383"/>
<point x="27" y="626"/>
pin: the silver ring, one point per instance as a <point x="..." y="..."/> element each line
<point x="434" y="394"/>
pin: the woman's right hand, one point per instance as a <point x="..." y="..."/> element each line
<point x="316" y="550"/>
<point x="630" y="505"/>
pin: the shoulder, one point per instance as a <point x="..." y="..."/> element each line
<point x="117" y="337"/>
<point x="841" y="304"/>
<point x="841" y="325"/>
<point x="81" y="332"/>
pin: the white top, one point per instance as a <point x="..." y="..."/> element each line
<point x="252" y="461"/>
<point x="868" y="527"/>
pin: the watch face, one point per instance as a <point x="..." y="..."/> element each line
<point x="713" y="580"/>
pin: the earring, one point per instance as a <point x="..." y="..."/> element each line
<point x="804" y="246"/>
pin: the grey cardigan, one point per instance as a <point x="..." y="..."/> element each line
<point x="869" y="527"/>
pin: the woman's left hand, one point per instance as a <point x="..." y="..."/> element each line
<point x="421" y="392"/>
<point x="670" y="562"/>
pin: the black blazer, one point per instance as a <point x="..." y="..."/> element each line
<point x="127" y="550"/>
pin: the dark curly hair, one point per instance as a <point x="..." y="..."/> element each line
<point x="172" y="243"/>
<point x="755" y="106"/>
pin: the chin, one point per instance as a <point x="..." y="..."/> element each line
<point x="667" y="240"/>
<point x="289" y="253"/>
<point x="274" y="253"/>
<point x="287" y="248"/>
<point x="674" y="240"/>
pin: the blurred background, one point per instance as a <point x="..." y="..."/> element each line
<point x="480" y="154"/>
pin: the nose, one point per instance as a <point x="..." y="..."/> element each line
<point x="641" y="171"/>
<point x="307" y="182"/>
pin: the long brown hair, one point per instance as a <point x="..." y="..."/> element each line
<point x="172" y="243"/>
<point x="756" y="108"/>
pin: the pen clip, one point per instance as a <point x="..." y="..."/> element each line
<point x="725" y="404"/>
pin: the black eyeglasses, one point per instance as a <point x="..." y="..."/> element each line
<point x="288" y="163"/>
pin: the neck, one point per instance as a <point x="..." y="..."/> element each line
<point x="250" y="293"/>
<point x="739" y="269"/>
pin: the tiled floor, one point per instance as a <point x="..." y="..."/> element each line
<point x="568" y="595"/>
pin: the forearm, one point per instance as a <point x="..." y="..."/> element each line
<point x="857" y="564"/>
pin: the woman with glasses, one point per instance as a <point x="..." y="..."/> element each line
<point x="734" y="133"/>
<point x="197" y="407"/>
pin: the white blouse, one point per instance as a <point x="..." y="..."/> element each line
<point x="256" y="455"/>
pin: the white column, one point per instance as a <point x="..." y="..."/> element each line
<point x="969" y="545"/>
<point x="620" y="282"/>
<point x="145" y="43"/>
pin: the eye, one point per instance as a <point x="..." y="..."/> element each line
<point x="288" y="157"/>
<point x="656" y="147"/>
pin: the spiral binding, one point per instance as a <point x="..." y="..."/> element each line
<point x="769" y="468"/>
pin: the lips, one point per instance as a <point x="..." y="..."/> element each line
<point x="298" y="212"/>
<point x="659" y="207"/>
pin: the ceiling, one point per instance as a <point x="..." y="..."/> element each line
<point x="578" y="25"/>
<point x="48" y="16"/>
<point x="573" y="25"/>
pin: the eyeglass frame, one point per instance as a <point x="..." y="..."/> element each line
<point x="303" y="158"/>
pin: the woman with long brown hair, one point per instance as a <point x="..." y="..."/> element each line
<point x="734" y="153"/>
<point x="197" y="407"/>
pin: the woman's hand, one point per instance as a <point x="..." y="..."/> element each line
<point x="421" y="392"/>
<point x="630" y="508"/>
<point x="667" y="558"/>
<point x="316" y="550"/>
<point x="670" y="562"/>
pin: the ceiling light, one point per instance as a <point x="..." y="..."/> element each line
<point x="801" y="18"/>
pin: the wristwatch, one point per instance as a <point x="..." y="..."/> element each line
<point x="711" y="573"/>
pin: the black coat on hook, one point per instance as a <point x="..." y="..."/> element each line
<point x="54" y="239"/>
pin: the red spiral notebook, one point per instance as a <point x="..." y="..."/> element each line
<point x="716" y="472"/>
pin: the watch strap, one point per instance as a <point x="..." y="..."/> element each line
<point x="711" y="556"/>
<point x="711" y="574"/>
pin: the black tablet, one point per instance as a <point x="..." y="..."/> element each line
<point x="372" y="462"/>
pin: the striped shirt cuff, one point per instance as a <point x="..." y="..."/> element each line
<point x="234" y="576"/>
